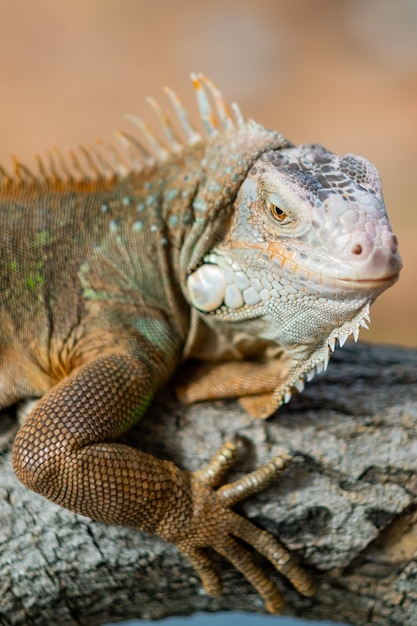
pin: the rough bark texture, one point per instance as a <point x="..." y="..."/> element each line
<point x="347" y="508"/>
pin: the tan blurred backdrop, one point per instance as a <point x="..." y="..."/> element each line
<point x="342" y="73"/>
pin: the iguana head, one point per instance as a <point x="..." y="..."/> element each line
<point x="307" y="250"/>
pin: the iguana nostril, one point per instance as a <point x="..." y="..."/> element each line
<point x="361" y="246"/>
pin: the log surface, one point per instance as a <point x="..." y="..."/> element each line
<point x="347" y="508"/>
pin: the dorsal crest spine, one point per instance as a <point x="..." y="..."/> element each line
<point x="102" y="161"/>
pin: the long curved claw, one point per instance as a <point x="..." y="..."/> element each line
<point x="243" y="562"/>
<point x="271" y="549"/>
<point x="204" y="567"/>
<point x="251" y="483"/>
<point x="219" y="465"/>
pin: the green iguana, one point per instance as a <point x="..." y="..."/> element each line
<point x="230" y="246"/>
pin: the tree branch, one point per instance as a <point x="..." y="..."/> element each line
<point x="347" y="507"/>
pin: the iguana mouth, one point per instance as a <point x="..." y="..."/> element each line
<point x="370" y="284"/>
<point x="384" y="264"/>
<point x="327" y="276"/>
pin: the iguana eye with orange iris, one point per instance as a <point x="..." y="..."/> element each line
<point x="276" y="212"/>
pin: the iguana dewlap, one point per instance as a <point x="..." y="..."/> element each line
<point x="230" y="246"/>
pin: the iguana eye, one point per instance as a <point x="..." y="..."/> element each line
<point x="276" y="212"/>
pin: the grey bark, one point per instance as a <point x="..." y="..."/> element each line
<point x="347" y="508"/>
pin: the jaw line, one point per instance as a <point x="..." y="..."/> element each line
<point x="275" y="250"/>
<point x="370" y="283"/>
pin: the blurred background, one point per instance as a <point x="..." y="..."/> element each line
<point x="341" y="73"/>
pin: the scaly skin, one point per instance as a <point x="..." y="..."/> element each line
<point x="235" y="248"/>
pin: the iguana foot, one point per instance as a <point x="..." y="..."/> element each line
<point x="214" y="525"/>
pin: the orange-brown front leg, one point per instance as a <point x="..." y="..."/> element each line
<point x="252" y="382"/>
<point x="64" y="450"/>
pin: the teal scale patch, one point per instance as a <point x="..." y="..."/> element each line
<point x="155" y="331"/>
<point x="171" y="194"/>
<point x="199" y="205"/>
<point x="137" y="226"/>
<point x="151" y="199"/>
